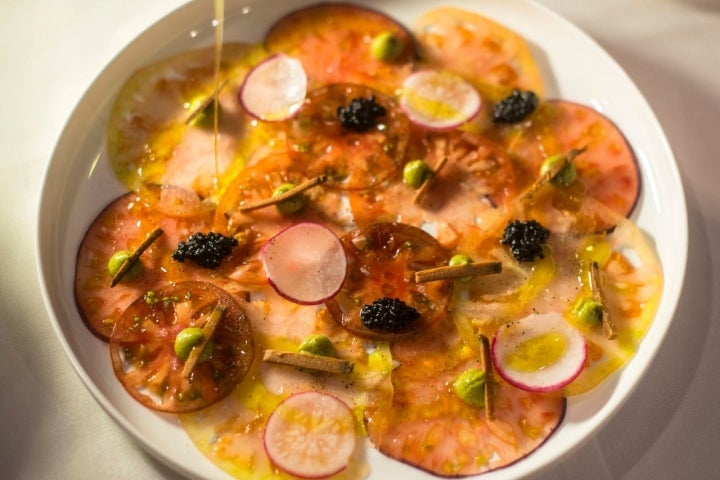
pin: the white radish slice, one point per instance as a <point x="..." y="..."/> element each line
<point x="275" y="88"/>
<point x="539" y="353"/>
<point x="310" y="435"/>
<point x="439" y="100"/>
<point x="305" y="263"/>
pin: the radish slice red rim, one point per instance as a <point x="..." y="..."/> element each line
<point x="539" y="353"/>
<point x="439" y="100"/>
<point x="310" y="435"/>
<point x="274" y="89"/>
<point x="305" y="263"/>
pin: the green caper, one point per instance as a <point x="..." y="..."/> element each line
<point x="415" y="173"/>
<point x="118" y="259"/>
<point x="588" y="311"/>
<point x="185" y="340"/>
<point x="291" y="205"/>
<point x="469" y="386"/>
<point x="565" y="177"/>
<point x="318" y="345"/>
<point x="459" y="259"/>
<point x="386" y="46"/>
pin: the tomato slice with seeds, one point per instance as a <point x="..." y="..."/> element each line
<point x="123" y="225"/>
<point x="478" y="177"/>
<point x="478" y="166"/>
<point x="318" y="144"/>
<point x="149" y="137"/>
<point x="428" y="426"/>
<point x="488" y="54"/>
<point x="607" y="169"/>
<point x="382" y="260"/>
<point x="333" y="42"/>
<point x="143" y="354"/>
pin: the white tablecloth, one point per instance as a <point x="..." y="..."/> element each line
<point x="50" y="52"/>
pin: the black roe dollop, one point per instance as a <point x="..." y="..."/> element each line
<point x="525" y="239"/>
<point x="390" y="314"/>
<point x="207" y="251"/>
<point x="360" y="114"/>
<point x="515" y="107"/>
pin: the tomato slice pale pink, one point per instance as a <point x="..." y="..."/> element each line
<point x="488" y="54"/>
<point x="428" y="426"/>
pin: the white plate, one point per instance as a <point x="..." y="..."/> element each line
<point x="79" y="183"/>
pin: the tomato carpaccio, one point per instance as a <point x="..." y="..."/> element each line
<point x="189" y="333"/>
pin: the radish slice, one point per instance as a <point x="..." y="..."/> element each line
<point x="305" y="263"/>
<point x="274" y="89"/>
<point x="439" y="100"/>
<point x="310" y="435"/>
<point x="539" y="353"/>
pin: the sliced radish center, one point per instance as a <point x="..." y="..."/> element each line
<point x="305" y="263"/>
<point x="274" y="89"/>
<point x="439" y="99"/>
<point x="311" y="435"/>
<point x="540" y="352"/>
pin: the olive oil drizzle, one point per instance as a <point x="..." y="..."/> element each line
<point x="219" y="33"/>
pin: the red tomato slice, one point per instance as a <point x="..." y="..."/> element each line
<point x="333" y="42"/>
<point x="607" y="169"/>
<point x="258" y="183"/>
<point x="123" y="225"/>
<point x="143" y="355"/>
<point x="382" y="260"/>
<point x="428" y="426"/>
<point x="318" y="144"/>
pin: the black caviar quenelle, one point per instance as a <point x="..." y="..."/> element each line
<point x="525" y="239"/>
<point x="391" y="314"/>
<point x="206" y="250"/>
<point x="360" y="114"/>
<point x="515" y="107"/>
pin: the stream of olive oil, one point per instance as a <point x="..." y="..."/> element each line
<point x="219" y="33"/>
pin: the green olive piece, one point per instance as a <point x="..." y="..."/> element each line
<point x="415" y="173"/>
<point x="588" y="311"/>
<point x="458" y="260"/>
<point x="386" y="47"/>
<point x="118" y="259"/>
<point x="185" y="340"/>
<point x="565" y="177"/>
<point x="469" y="386"/>
<point x="293" y="204"/>
<point x="206" y="117"/>
<point x="318" y="345"/>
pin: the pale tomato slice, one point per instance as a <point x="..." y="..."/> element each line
<point x="607" y="169"/>
<point x="333" y="42"/>
<point x="142" y="348"/>
<point x="631" y="279"/>
<point x="124" y="225"/>
<point x="461" y="205"/>
<point x="150" y="138"/>
<point x="488" y="54"/>
<point x="382" y="260"/>
<point x="318" y="143"/>
<point x="428" y="426"/>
